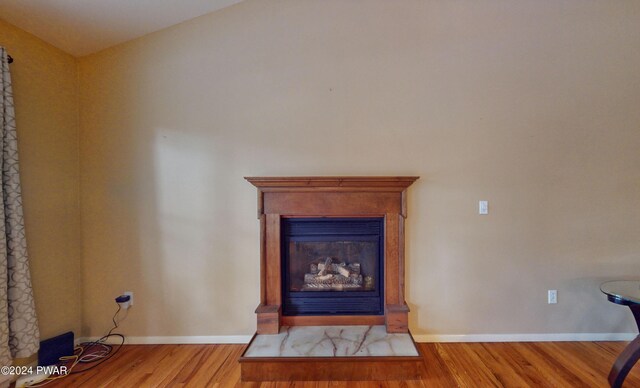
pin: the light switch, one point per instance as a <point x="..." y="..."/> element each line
<point x="483" y="207"/>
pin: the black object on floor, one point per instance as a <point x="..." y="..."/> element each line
<point x="53" y="348"/>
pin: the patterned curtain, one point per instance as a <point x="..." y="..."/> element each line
<point x="19" y="335"/>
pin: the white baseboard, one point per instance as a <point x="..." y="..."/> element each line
<point x="213" y="339"/>
<point x="557" y="337"/>
<point x="244" y="339"/>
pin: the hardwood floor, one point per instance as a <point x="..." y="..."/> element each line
<point x="525" y="364"/>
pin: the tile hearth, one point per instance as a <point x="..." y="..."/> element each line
<point x="332" y="341"/>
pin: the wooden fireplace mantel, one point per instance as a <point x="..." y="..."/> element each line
<point x="283" y="197"/>
<point x="365" y="182"/>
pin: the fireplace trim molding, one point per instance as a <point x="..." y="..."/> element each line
<point x="289" y="197"/>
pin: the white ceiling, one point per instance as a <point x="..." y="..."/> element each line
<point x="82" y="27"/>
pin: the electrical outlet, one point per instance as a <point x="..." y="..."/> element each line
<point x="552" y="296"/>
<point x="32" y="379"/>
<point x="130" y="293"/>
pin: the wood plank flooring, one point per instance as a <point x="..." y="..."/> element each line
<point x="519" y="364"/>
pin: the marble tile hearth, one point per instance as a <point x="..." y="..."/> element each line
<point x="332" y="341"/>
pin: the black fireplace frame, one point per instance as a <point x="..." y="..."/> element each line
<point x="318" y="303"/>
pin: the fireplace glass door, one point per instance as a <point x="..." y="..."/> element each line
<point x="332" y="266"/>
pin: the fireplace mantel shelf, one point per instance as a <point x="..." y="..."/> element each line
<point x="335" y="196"/>
<point x="395" y="183"/>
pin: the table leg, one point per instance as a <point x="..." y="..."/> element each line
<point x="629" y="356"/>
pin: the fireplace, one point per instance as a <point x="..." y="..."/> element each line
<point x="332" y="266"/>
<point x="332" y="251"/>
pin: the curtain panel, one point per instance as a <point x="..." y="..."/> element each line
<point x="19" y="334"/>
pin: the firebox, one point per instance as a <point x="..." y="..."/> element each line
<point x="332" y="266"/>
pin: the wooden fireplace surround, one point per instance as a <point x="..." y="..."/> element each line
<point x="282" y="197"/>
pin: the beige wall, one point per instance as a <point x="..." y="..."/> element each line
<point x="532" y="106"/>
<point x="45" y="87"/>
